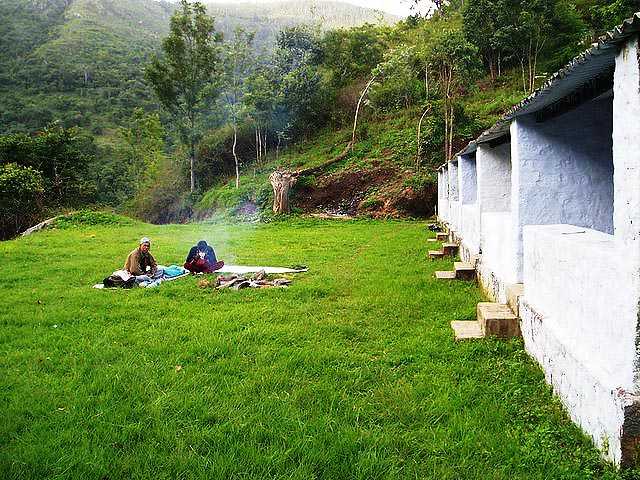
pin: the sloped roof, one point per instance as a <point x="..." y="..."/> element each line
<point x="583" y="69"/>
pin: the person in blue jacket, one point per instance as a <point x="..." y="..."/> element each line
<point x="202" y="259"/>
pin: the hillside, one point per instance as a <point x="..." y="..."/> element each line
<point x="81" y="61"/>
<point x="377" y="178"/>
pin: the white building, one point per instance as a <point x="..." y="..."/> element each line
<point x="549" y="197"/>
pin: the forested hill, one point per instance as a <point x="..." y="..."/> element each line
<point x="81" y="61"/>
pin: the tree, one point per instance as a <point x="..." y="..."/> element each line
<point x="20" y="194"/>
<point x="261" y="99"/>
<point x="64" y="157"/>
<point x="238" y="64"/>
<point x="481" y="25"/>
<point x="184" y="79"/>
<point x="142" y="146"/>
<point x="296" y="60"/>
<point x="352" y="53"/>
<point x="456" y="65"/>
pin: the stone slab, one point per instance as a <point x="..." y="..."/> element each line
<point x="450" y="249"/>
<point x="498" y="320"/>
<point x="514" y="292"/>
<point x="446" y="275"/>
<point x="436" y="253"/>
<point x="442" y="236"/>
<point x="466" y="329"/>
<point x="464" y="270"/>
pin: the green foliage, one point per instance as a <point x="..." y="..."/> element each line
<point x="350" y="54"/>
<point x="254" y="194"/>
<point x="184" y="79"/>
<point x="397" y="86"/>
<point x="21" y="189"/>
<point x="420" y="181"/>
<point x="90" y="218"/>
<point x="65" y="157"/>
<point x="165" y="198"/>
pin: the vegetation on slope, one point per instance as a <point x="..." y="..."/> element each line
<point x="81" y="62"/>
<point x="445" y="70"/>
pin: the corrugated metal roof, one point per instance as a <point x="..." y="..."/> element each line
<point x="581" y="70"/>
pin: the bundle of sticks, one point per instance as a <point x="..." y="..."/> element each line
<point x="237" y="282"/>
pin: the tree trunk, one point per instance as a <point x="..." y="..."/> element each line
<point x="428" y="109"/>
<point x="355" y="118"/>
<point x="235" y="156"/>
<point x="282" y="181"/>
<point x="257" y="145"/>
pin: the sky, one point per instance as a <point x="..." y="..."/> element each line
<point x="397" y="7"/>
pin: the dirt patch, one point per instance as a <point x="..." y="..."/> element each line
<point x="379" y="193"/>
<point x="341" y="193"/>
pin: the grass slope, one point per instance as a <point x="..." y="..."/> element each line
<point x="350" y="373"/>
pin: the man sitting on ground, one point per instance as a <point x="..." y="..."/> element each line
<point x="202" y="259"/>
<point x="141" y="264"/>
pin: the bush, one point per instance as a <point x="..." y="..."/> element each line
<point x="90" y="218"/>
<point x="166" y="199"/>
<point x="21" y="191"/>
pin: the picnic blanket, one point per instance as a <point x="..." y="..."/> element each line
<point x="165" y="274"/>
<point x="174" y="272"/>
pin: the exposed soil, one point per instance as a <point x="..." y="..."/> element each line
<point x="379" y="193"/>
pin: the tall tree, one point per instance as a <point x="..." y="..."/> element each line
<point x="238" y="64"/>
<point x="456" y="64"/>
<point x="480" y="25"/>
<point x="184" y="78"/>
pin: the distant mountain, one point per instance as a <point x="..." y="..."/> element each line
<point x="81" y="61"/>
<point x="268" y="19"/>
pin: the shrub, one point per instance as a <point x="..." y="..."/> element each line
<point x="21" y="191"/>
<point x="90" y="218"/>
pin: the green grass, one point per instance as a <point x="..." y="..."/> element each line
<point x="350" y="373"/>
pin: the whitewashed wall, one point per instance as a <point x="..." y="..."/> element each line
<point x="581" y="286"/>
<point x="579" y="324"/>
<point x="493" y="168"/>
<point x="454" y="197"/>
<point x="562" y="171"/>
<point x="469" y="210"/>
<point x="495" y="269"/>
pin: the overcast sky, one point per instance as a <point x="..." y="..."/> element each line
<point x="397" y="7"/>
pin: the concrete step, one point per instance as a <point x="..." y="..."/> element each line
<point x="497" y="319"/>
<point x="450" y="249"/>
<point x="466" y="329"/>
<point x="431" y="240"/>
<point x="514" y="292"/>
<point x="442" y="236"/>
<point x="464" y="270"/>
<point x="434" y="254"/>
<point x="446" y="275"/>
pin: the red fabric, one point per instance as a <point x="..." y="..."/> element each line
<point x="199" y="265"/>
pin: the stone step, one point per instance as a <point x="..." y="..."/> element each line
<point x="446" y="275"/>
<point x="464" y="270"/>
<point x="514" y="292"/>
<point x="450" y="249"/>
<point x="497" y="319"/>
<point x="466" y="329"/>
<point x="431" y="240"/>
<point x="433" y="254"/>
<point x="442" y="236"/>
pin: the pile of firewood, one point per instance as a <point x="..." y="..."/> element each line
<point x="238" y="282"/>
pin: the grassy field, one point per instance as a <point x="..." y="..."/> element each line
<point x="350" y="373"/>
